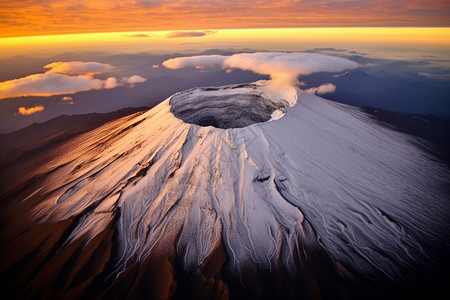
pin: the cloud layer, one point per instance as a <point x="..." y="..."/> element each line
<point x="280" y="66"/>
<point x="64" y="78"/>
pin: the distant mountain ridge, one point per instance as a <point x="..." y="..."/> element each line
<point x="56" y="130"/>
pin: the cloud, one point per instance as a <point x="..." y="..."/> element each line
<point x="183" y="34"/>
<point x="60" y="80"/>
<point x="195" y="61"/>
<point x="110" y="83"/>
<point x="48" y="84"/>
<point x="426" y="74"/>
<point x="29" y="111"/>
<point x="288" y="66"/>
<point x="280" y="66"/>
<point x="77" y="68"/>
<point x="436" y="76"/>
<point x="283" y="68"/>
<point x="329" y="49"/>
<point x="135" y="79"/>
<point x="132" y="80"/>
<point x="186" y="44"/>
<point x="323" y="89"/>
<point x="335" y="51"/>
<point x="139" y="35"/>
<point x="67" y="100"/>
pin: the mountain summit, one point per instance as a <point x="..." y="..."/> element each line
<point x="238" y="191"/>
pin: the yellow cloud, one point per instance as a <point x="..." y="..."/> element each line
<point x="29" y="111"/>
<point x="77" y="67"/>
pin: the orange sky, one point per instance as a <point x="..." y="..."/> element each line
<point x="41" y="17"/>
<point x="268" y="39"/>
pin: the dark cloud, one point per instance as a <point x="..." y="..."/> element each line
<point x="334" y="50"/>
<point x="139" y="35"/>
<point x="330" y="49"/>
<point x="181" y="34"/>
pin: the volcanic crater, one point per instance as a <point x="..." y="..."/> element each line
<point x="231" y="107"/>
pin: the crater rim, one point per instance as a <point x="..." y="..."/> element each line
<point x="226" y="107"/>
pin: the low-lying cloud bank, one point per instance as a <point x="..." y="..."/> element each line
<point x="284" y="67"/>
<point x="65" y="78"/>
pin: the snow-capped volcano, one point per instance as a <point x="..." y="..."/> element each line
<point x="242" y="190"/>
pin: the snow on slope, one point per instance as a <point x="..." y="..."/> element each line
<point x="321" y="175"/>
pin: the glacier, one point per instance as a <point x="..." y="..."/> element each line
<point x="244" y="190"/>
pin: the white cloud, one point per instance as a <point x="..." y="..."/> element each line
<point x="64" y="78"/>
<point x="288" y="66"/>
<point x="195" y="61"/>
<point x="29" y="111"/>
<point x="110" y="83"/>
<point x="134" y="79"/>
<point x="77" y="68"/>
<point x="280" y="66"/>
<point x="434" y="76"/>
<point x="323" y="89"/>
<point x="342" y="74"/>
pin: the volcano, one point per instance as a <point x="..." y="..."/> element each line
<point x="228" y="192"/>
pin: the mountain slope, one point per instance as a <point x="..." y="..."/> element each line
<point x="58" y="129"/>
<point x="294" y="196"/>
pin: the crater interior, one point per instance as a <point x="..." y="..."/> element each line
<point x="225" y="107"/>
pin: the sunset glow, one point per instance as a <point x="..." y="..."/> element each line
<point x="45" y="17"/>
<point x="274" y="39"/>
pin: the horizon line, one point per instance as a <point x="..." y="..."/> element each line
<point x="218" y="29"/>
